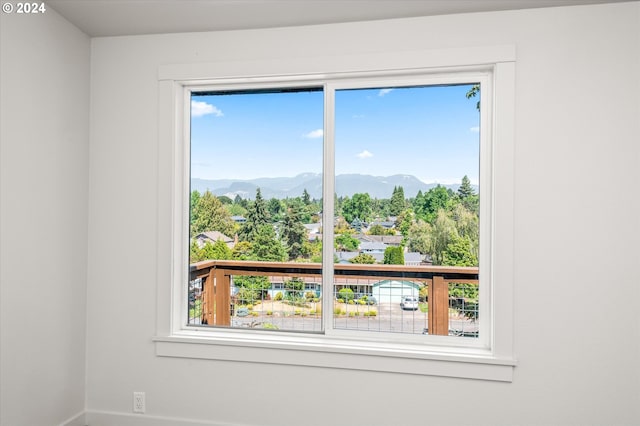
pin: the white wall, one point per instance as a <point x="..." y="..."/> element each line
<point x="576" y="228"/>
<point x="44" y="211"/>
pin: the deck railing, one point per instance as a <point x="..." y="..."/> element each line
<point x="216" y="299"/>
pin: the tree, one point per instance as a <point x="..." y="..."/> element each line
<point x="210" y="215"/>
<point x="294" y="233"/>
<point x="306" y="198"/>
<point x="242" y="251"/>
<point x="435" y="199"/>
<point x="473" y="92"/>
<point x="444" y="229"/>
<point x="458" y="252"/>
<point x="217" y="250"/>
<point x="420" y="237"/>
<point x="346" y="242"/>
<point x="275" y="208"/>
<point x="398" y="203"/>
<point x="363" y="258"/>
<point x="465" y="190"/>
<point x="404" y="221"/>
<point x="357" y="207"/>
<point x="393" y="256"/>
<point x="378" y="229"/>
<point x="257" y="216"/>
<point x="266" y="247"/>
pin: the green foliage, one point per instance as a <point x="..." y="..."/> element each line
<point x="397" y="204"/>
<point x="257" y="216"/>
<point x="363" y="258"/>
<point x="458" y="252"/>
<point x="377" y="230"/>
<point x="294" y="234"/>
<point x="465" y="190"/>
<point x="208" y="214"/>
<point x="357" y="207"/>
<point x="251" y="288"/>
<point x="346" y="242"/>
<point x="444" y="229"/>
<point x="276" y="209"/>
<point x="434" y="200"/>
<point x="279" y="296"/>
<point x="241" y="251"/>
<point x="420" y="237"/>
<point x="393" y="256"/>
<point x="267" y="247"/>
<point x="473" y="92"/>
<point x="345" y="294"/>
<point x="217" y="250"/>
<point x="404" y="221"/>
<point x="246" y="295"/>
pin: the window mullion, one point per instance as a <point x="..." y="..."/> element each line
<point x="328" y="214"/>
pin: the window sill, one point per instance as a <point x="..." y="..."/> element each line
<point x="323" y="351"/>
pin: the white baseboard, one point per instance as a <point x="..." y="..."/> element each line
<point x="106" y="418"/>
<point x="77" y="420"/>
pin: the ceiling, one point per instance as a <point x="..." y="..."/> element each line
<point x="99" y="18"/>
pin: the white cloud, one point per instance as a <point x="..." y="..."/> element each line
<point x="383" y="92"/>
<point x="474" y="129"/>
<point x="314" y="134"/>
<point x="364" y="154"/>
<point x="199" y="109"/>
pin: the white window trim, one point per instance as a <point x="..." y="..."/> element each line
<point x="441" y="356"/>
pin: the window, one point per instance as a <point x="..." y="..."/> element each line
<point x="346" y="207"/>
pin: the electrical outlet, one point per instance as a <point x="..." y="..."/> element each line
<point x="138" y="402"/>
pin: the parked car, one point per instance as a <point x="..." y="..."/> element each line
<point x="409" y="302"/>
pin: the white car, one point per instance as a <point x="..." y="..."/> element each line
<point x="409" y="302"/>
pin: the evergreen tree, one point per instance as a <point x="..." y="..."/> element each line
<point x="294" y="233"/>
<point x="257" y="216"/>
<point x="465" y="190"/>
<point x="393" y="256"/>
<point x="306" y="198"/>
<point x="266" y="247"/>
<point x="397" y="205"/>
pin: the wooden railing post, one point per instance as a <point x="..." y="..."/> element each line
<point x="207" y="300"/>
<point x="438" y="306"/>
<point x="223" y="297"/>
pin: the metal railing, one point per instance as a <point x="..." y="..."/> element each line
<point x="288" y="296"/>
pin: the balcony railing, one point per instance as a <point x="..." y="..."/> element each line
<point x="448" y="297"/>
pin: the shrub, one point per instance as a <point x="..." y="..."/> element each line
<point x="278" y="296"/>
<point x="352" y="314"/>
<point x="269" y="313"/>
<point x="254" y="313"/>
<point x="362" y="302"/>
<point x="352" y="302"/>
<point x="340" y="300"/>
<point x="309" y="295"/>
<point x="297" y="312"/>
<point x="269" y="326"/>
<point x="250" y="307"/>
<point x="371" y="313"/>
<point x="346" y="293"/>
<point x="337" y="311"/>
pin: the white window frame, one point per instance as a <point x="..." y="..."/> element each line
<point x="489" y="357"/>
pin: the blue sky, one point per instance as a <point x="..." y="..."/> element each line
<point x="429" y="132"/>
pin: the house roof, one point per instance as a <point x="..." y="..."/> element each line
<point x="214" y="236"/>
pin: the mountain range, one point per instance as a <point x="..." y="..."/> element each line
<point x="346" y="185"/>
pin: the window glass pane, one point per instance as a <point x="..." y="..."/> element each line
<point x="256" y="201"/>
<point x="407" y="200"/>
